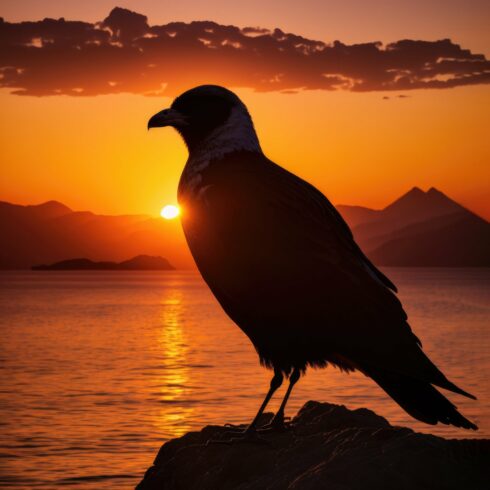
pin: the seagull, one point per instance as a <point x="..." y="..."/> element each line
<point x="285" y="267"/>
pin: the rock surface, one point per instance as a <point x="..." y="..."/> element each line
<point x="327" y="446"/>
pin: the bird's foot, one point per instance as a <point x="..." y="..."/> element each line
<point x="265" y="419"/>
<point x="249" y="435"/>
<point x="236" y="427"/>
<point x="278" y="424"/>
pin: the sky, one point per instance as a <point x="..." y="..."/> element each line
<point x="363" y="122"/>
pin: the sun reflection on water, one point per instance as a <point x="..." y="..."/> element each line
<point x="173" y="381"/>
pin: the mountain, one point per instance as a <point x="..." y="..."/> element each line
<point x="421" y="229"/>
<point x="355" y="215"/>
<point x="462" y="242"/>
<point x="51" y="232"/>
<point x="139" y="263"/>
<point x="413" y="207"/>
<point x="418" y="229"/>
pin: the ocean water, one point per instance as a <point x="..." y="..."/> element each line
<point x="97" y="370"/>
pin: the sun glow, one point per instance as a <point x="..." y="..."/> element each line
<point x="170" y="211"/>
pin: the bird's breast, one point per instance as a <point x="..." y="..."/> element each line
<point x="192" y="200"/>
<point x="189" y="183"/>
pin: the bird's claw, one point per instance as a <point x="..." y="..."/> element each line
<point x="235" y="427"/>
<point x="278" y="424"/>
<point x="248" y="435"/>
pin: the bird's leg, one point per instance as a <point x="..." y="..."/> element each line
<point x="250" y="433"/>
<point x="278" y="422"/>
<point x="276" y="382"/>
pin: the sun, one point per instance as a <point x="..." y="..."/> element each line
<point x="170" y="211"/>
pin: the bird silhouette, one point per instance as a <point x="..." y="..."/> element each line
<point x="284" y="266"/>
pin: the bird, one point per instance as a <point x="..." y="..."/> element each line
<point x="284" y="265"/>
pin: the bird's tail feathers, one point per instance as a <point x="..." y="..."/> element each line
<point x="446" y="384"/>
<point x="432" y="374"/>
<point x="420" y="399"/>
<point x="413" y="362"/>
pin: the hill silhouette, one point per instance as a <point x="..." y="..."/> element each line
<point x="421" y="229"/>
<point x="52" y="232"/>
<point x="418" y="229"/>
<point x="139" y="263"/>
<point x="453" y="241"/>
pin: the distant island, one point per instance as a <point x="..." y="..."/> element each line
<point x="139" y="263"/>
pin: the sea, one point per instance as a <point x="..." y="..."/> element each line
<point x="99" y="369"/>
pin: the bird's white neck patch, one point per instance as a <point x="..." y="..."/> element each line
<point x="236" y="134"/>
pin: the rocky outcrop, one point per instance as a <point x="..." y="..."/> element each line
<point x="327" y="446"/>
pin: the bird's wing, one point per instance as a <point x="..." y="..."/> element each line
<point x="307" y="194"/>
<point x="275" y="232"/>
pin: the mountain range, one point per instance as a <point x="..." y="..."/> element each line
<point x="421" y="229"/>
<point x="418" y="229"/>
<point x="51" y="232"/>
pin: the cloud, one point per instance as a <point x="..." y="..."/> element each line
<point x="400" y="96"/>
<point x="123" y="53"/>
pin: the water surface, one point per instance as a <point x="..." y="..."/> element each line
<point x="97" y="369"/>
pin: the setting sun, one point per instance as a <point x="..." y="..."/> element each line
<point x="170" y="211"/>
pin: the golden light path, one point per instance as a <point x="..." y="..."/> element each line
<point x="170" y="211"/>
<point x="175" y="413"/>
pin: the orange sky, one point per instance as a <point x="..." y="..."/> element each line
<point x="358" y="148"/>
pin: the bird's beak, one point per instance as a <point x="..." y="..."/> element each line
<point x="167" y="117"/>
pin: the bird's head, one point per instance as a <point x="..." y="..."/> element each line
<point x="208" y="112"/>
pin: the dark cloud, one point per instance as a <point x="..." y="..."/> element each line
<point x="125" y="54"/>
<point x="400" y="96"/>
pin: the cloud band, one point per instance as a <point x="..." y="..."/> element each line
<point x="123" y="53"/>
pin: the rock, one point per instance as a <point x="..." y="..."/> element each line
<point x="328" y="446"/>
